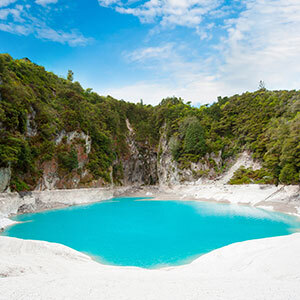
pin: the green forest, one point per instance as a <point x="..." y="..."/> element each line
<point x="266" y="123"/>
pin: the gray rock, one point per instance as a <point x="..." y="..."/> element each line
<point x="26" y="208"/>
<point x="5" y="175"/>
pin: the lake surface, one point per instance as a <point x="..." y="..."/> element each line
<point x="150" y="234"/>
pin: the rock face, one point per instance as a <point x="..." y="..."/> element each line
<point x="140" y="166"/>
<point x="71" y="136"/>
<point x="143" y="164"/>
<point x="52" y="178"/>
<point x="167" y="168"/>
<point x="31" y="128"/>
<point x="5" y="175"/>
<point x="171" y="172"/>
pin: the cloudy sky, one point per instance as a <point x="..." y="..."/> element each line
<point x="151" y="49"/>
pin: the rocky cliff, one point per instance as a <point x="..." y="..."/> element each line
<point x="55" y="177"/>
<point x="56" y="135"/>
<point x="138" y="165"/>
<point x="141" y="165"/>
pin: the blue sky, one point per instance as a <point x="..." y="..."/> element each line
<point x="150" y="49"/>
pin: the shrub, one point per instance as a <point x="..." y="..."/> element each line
<point x="19" y="185"/>
<point x="68" y="161"/>
<point x="194" y="141"/>
<point x="289" y="175"/>
<point x="247" y="176"/>
<point x="175" y="147"/>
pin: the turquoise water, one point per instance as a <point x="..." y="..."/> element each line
<point x="149" y="234"/>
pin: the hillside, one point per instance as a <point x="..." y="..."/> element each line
<point x="55" y="134"/>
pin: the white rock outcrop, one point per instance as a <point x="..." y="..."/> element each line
<point x="70" y="136"/>
<point x="244" y="159"/>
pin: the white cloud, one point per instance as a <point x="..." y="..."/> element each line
<point x="45" y="2"/>
<point x="187" y="13"/>
<point x="73" y="39"/>
<point x="161" y="52"/>
<point x="173" y="75"/>
<point x="150" y="92"/>
<point x="14" y="12"/>
<point x="15" y="29"/>
<point x="4" y="14"/>
<point x="201" y="90"/>
<point x="107" y="3"/>
<point x="4" y="3"/>
<point x="19" y="20"/>
<point x="262" y="43"/>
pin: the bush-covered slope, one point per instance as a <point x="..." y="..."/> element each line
<point x="39" y="110"/>
<point x="265" y="122"/>
<point x="36" y="106"/>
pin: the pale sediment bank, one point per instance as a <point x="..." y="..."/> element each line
<point x="282" y="198"/>
<point x="27" y="202"/>
<point x="258" y="269"/>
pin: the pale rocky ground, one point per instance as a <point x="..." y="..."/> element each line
<point x="280" y="198"/>
<point x="16" y="203"/>
<point x="243" y="160"/>
<point x="257" y="269"/>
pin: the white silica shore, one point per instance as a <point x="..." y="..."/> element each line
<point x="5" y="222"/>
<point x="258" y="269"/>
<point x="280" y="198"/>
<point x="14" y="203"/>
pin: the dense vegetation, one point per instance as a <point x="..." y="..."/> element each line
<point x="267" y="123"/>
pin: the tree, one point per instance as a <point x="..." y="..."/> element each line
<point x="175" y="147"/>
<point x="68" y="160"/>
<point x="194" y="141"/>
<point x="70" y="75"/>
<point x="289" y="175"/>
<point x="1" y="66"/>
<point x="262" y="85"/>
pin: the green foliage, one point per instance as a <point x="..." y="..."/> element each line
<point x="2" y="64"/>
<point x="289" y="174"/>
<point x="100" y="158"/>
<point x="70" y="76"/>
<point x="9" y="151"/>
<point x="262" y="85"/>
<point x="19" y="185"/>
<point x="68" y="160"/>
<point x="194" y="141"/>
<point x="247" y="176"/>
<point x="118" y="173"/>
<point x="58" y="104"/>
<point x="265" y="122"/>
<point x="175" y="147"/>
